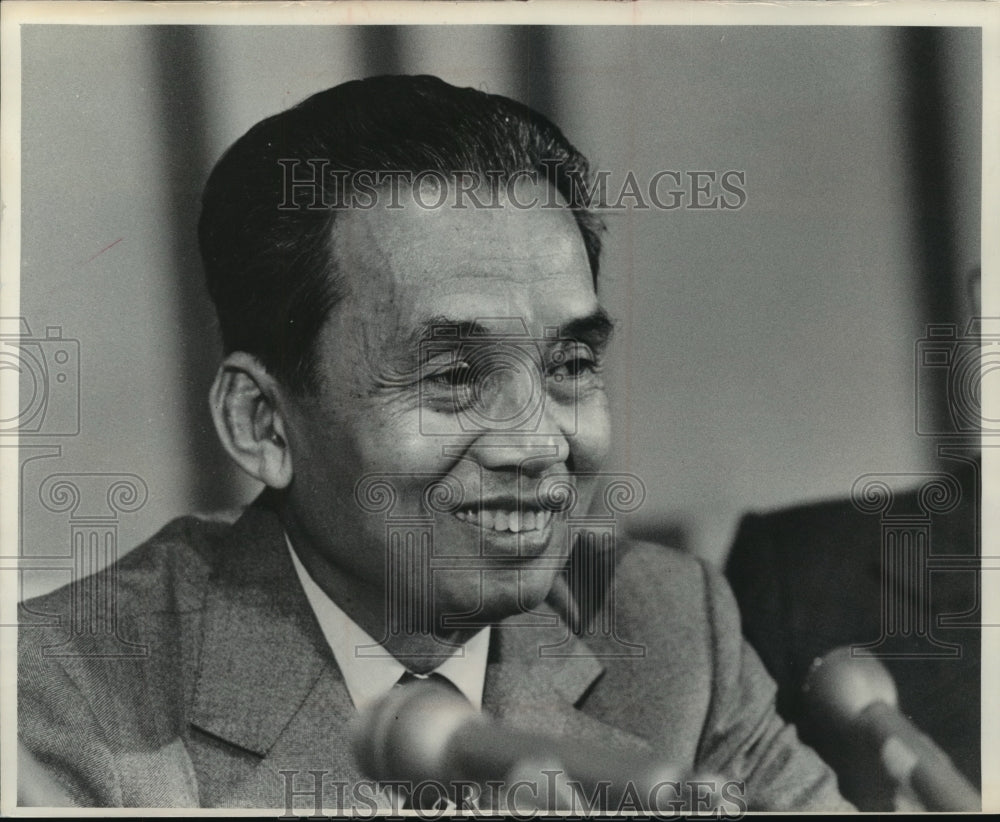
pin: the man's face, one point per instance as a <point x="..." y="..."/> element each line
<point x="441" y="365"/>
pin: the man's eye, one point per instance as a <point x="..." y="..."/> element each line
<point x="577" y="367"/>
<point x="575" y="363"/>
<point x="450" y="388"/>
<point x="455" y="375"/>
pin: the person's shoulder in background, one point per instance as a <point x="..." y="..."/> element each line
<point x="809" y="579"/>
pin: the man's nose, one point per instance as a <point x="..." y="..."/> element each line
<point x="540" y="440"/>
<point x="507" y="392"/>
<point x="528" y="455"/>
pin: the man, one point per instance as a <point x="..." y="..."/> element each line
<point x="405" y="278"/>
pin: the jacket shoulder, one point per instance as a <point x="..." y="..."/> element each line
<point x="695" y="689"/>
<point x="655" y="629"/>
<point x="164" y="574"/>
<point x="658" y="588"/>
<point x="106" y="664"/>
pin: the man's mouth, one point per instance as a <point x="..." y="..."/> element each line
<point x="506" y="520"/>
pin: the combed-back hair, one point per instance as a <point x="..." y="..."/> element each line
<point x="268" y="262"/>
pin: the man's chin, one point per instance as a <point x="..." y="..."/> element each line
<point x="501" y="594"/>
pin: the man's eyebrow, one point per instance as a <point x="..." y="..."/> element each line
<point x="595" y="329"/>
<point x="445" y="329"/>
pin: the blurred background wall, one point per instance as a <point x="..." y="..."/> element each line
<point x="765" y="355"/>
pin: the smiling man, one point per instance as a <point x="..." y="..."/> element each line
<point x="405" y="277"/>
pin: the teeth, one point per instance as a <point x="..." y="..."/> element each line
<point x="513" y="521"/>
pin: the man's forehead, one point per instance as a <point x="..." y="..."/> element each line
<point x="463" y="262"/>
<point x="459" y="235"/>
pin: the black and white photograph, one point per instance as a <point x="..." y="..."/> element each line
<point x="464" y="409"/>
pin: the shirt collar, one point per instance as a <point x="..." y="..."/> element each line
<point x="370" y="677"/>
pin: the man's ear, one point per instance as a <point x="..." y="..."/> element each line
<point x="248" y="419"/>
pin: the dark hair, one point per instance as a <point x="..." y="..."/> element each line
<point x="269" y="269"/>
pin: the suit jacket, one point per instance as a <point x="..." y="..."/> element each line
<point x="809" y="579"/>
<point x="238" y="685"/>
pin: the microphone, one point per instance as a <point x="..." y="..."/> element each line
<point x="427" y="731"/>
<point x="854" y="698"/>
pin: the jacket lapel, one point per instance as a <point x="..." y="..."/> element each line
<point x="263" y="653"/>
<point x="538" y="675"/>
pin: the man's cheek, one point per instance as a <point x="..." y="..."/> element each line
<point x="418" y="469"/>
<point x="405" y="448"/>
<point x="592" y="441"/>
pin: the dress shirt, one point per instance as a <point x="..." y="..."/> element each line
<point x="369" y="678"/>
